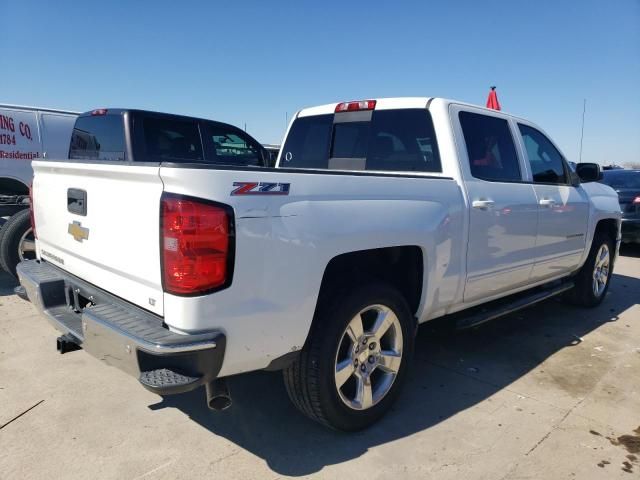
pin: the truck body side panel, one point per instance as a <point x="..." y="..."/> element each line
<point x="284" y="243"/>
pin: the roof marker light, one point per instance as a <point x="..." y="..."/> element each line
<point x="99" y="111"/>
<point x="355" y="106"/>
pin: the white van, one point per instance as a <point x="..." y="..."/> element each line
<point x="26" y="134"/>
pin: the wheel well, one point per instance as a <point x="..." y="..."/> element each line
<point x="9" y="186"/>
<point x="401" y="267"/>
<point x="608" y="226"/>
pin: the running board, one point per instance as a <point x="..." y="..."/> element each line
<point x="505" y="308"/>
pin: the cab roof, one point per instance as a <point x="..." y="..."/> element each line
<point x="394" y="103"/>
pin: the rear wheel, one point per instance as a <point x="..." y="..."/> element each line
<point x="592" y="281"/>
<point x="17" y="242"/>
<point x="352" y="367"/>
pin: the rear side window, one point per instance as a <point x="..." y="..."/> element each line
<point x="231" y="147"/>
<point x="546" y="161"/>
<point x="400" y="140"/>
<point x="172" y="140"/>
<point x="492" y="153"/>
<point x="99" y="137"/>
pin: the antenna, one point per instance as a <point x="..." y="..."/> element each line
<point x="584" y="109"/>
<point x="286" y="119"/>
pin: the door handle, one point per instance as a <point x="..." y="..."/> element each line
<point x="483" y="204"/>
<point x="547" y="202"/>
<point x="77" y="201"/>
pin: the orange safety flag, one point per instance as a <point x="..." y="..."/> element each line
<point x="492" y="100"/>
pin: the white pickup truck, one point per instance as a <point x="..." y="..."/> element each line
<point x="165" y="249"/>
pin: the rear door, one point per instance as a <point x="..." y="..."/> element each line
<point x="563" y="209"/>
<point x="97" y="215"/>
<point x="503" y="213"/>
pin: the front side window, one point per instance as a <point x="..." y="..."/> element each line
<point x="232" y="148"/>
<point x="546" y="161"/>
<point x="490" y="147"/>
<point x="98" y="137"/>
<point x="172" y="140"/>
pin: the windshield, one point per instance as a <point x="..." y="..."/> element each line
<point x="622" y="179"/>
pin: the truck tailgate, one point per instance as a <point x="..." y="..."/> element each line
<point x="113" y="240"/>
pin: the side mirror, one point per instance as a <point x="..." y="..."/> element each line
<point x="589" y="172"/>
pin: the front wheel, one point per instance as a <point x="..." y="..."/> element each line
<point x="354" y="363"/>
<point x="593" y="279"/>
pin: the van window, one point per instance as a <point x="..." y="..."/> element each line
<point x="490" y="147"/>
<point x="99" y="137"/>
<point x="401" y="140"/>
<point x="172" y="139"/>
<point x="546" y="161"/>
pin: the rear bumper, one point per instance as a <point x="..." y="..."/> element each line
<point x="120" y="333"/>
<point x="631" y="230"/>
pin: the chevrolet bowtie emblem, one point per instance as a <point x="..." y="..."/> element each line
<point x="78" y="232"/>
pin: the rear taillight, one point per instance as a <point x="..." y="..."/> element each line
<point x="197" y="245"/>
<point x="355" y="106"/>
<point x="31" y="206"/>
<point x="636" y="201"/>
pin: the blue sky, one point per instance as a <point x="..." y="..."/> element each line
<point x="254" y="62"/>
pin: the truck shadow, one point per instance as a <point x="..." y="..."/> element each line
<point x="630" y="250"/>
<point x="450" y="373"/>
<point x="7" y="284"/>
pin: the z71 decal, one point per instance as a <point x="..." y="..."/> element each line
<point x="260" y="188"/>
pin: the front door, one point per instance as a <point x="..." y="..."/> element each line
<point x="563" y="209"/>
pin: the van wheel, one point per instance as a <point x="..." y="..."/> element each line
<point x="592" y="281"/>
<point x="17" y="242"/>
<point x="351" y="369"/>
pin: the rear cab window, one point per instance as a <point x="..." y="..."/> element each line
<point x="399" y="140"/>
<point x="98" y="137"/>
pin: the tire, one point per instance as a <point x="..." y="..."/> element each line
<point x="586" y="293"/>
<point x="312" y="380"/>
<point x="16" y="229"/>
<point x="3" y="223"/>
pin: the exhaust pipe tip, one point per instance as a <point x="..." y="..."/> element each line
<point x="218" y="396"/>
<point x="67" y="343"/>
